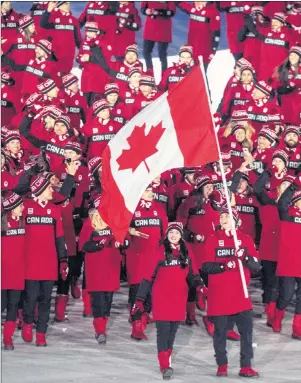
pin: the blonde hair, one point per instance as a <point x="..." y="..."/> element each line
<point x="248" y="128"/>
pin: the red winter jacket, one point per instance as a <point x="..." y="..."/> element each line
<point x="12" y="255"/>
<point x="203" y="30"/>
<point x="10" y="24"/>
<point x="158" y="26"/>
<point x="43" y="226"/>
<point x="77" y="108"/>
<point x="225" y="292"/>
<point x="98" y="134"/>
<point x="10" y="103"/>
<point x="176" y="194"/>
<point x="19" y="51"/>
<point x="289" y="259"/>
<point x="160" y="194"/>
<point x="201" y="221"/>
<point x="103" y="13"/>
<point x="151" y="221"/>
<point x="91" y="70"/>
<point x="169" y="284"/>
<point x="141" y="101"/>
<point x="127" y="24"/>
<point x="235" y="13"/>
<point x="102" y="264"/>
<point x="237" y="98"/>
<point x="269" y="217"/>
<point x="65" y="30"/>
<point x="173" y="75"/>
<point x="274" y="49"/>
<point x="263" y="112"/>
<point x="37" y="69"/>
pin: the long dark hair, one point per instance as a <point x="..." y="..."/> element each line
<point x="281" y="72"/>
<point x="183" y="252"/>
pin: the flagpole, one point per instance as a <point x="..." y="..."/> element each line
<point x="240" y="265"/>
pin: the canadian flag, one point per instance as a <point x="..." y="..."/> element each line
<point x="175" y="131"/>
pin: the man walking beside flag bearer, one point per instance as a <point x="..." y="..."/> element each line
<point x="165" y="128"/>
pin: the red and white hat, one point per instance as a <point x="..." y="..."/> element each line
<point x="100" y="105"/>
<point x="74" y="146"/>
<point x="295" y="49"/>
<point x="279" y="153"/>
<point x="226" y="157"/>
<point x="225" y="210"/>
<point x="175" y="226"/>
<point x="296" y="197"/>
<point x="292" y="129"/>
<point x="241" y="62"/>
<point x="31" y="99"/>
<point x="5" y="78"/>
<point x="239" y="115"/>
<point x="186" y="48"/>
<point x="51" y="111"/>
<point x="110" y="88"/>
<point x="147" y="80"/>
<point x="45" y="45"/>
<point x="135" y="70"/>
<point x="247" y="67"/>
<point x="280" y="16"/>
<point x="268" y="133"/>
<point x="94" y="164"/>
<point x="69" y="79"/>
<point x="11" y="135"/>
<point x="132" y="48"/>
<point x="60" y="3"/>
<point x="25" y="21"/>
<point x="11" y="201"/>
<point x="46" y="86"/>
<point x="236" y="127"/>
<point x="264" y="87"/>
<point x="39" y="185"/>
<point x="201" y="181"/>
<point x="92" y="26"/>
<point x="64" y="119"/>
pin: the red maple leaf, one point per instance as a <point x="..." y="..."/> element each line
<point x="141" y="147"/>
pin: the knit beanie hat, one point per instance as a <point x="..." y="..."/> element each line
<point x="100" y="105"/>
<point x="295" y="49"/>
<point x="269" y="134"/>
<point x="264" y="87"/>
<point x="147" y="80"/>
<point x="239" y="115"/>
<point x="94" y="164"/>
<point x="59" y="3"/>
<point x="45" y="45"/>
<point x="175" y="226"/>
<point x="74" y="146"/>
<point x="11" y="135"/>
<point x="201" y="181"/>
<point x="135" y="70"/>
<point x="292" y="129"/>
<point x="296" y="197"/>
<point x="236" y="127"/>
<point x="25" y="21"/>
<point x="225" y="210"/>
<point x="241" y="62"/>
<point x="186" y="48"/>
<point x="132" y="48"/>
<point x="39" y="185"/>
<point x="69" y="79"/>
<point x="280" y="16"/>
<point x="64" y="119"/>
<point x="11" y="201"/>
<point x="91" y="26"/>
<point x="111" y="88"/>
<point x="46" y="86"/>
<point x="279" y="153"/>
